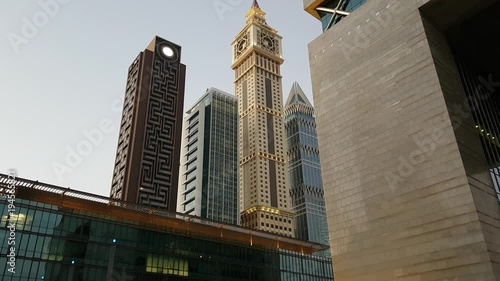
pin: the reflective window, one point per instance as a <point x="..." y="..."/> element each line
<point x="328" y="20"/>
<point x="71" y="245"/>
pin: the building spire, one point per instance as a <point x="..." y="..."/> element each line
<point x="297" y="96"/>
<point x="256" y="14"/>
<point x="255" y="4"/>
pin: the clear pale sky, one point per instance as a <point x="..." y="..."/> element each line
<point x="70" y="71"/>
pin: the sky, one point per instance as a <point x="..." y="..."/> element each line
<point x="63" y="71"/>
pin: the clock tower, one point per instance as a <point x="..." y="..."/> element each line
<point x="257" y="58"/>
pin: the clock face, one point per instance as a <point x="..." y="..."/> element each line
<point x="167" y="51"/>
<point x="268" y="42"/>
<point x="241" y="45"/>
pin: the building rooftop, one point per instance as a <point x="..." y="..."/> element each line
<point x="209" y="91"/>
<point x="297" y="96"/>
<point x="155" y="219"/>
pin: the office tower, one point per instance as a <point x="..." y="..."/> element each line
<point x="257" y="57"/>
<point x="407" y="105"/>
<point x="147" y="159"/>
<point x="208" y="177"/>
<point x="70" y="235"/>
<point x="304" y="169"/>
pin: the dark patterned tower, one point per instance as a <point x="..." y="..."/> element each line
<point x="147" y="160"/>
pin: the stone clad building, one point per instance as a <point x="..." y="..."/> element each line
<point x="407" y="106"/>
<point x="264" y="194"/>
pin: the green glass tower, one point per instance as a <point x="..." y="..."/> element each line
<point x="208" y="178"/>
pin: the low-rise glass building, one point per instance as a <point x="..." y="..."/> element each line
<point x="65" y="235"/>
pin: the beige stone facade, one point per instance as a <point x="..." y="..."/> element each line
<point x="407" y="187"/>
<point x="264" y="194"/>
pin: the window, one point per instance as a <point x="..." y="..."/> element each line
<point x="328" y="19"/>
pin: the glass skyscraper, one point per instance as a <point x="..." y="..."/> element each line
<point x="208" y="179"/>
<point x="66" y="235"/>
<point x="304" y="170"/>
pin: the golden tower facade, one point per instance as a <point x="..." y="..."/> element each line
<point x="264" y="194"/>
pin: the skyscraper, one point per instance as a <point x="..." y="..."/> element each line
<point x="147" y="159"/>
<point x="407" y="99"/>
<point x="257" y="57"/>
<point x="208" y="178"/>
<point x="304" y="169"/>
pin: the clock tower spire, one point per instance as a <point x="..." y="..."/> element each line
<point x="255" y="4"/>
<point x="257" y="34"/>
<point x="256" y="14"/>
<point x="257" y="59"/>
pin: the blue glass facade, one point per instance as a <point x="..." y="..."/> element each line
<point x="304" y="169"/>
<point x="79" y="240"/>
<point x="345" y="5"/>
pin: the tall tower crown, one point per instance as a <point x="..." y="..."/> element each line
<point x="257" y="36"/>
<point x="297" y="102"/>
<point x="256" y="14"/>
<point x="297" y="96"/>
